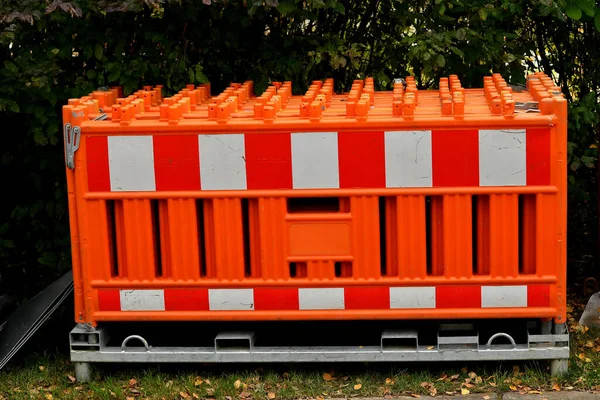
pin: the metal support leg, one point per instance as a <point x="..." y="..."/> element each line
<point x="559" y="367"/>
<point x="83" y="371"/>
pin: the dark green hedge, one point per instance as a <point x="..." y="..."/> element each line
<point x="54" y="50"/>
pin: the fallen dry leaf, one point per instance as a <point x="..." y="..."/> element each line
<point x="492" y="384"/>
<point x="486" y="397"/>
<point x="327" y="377"/>
<point x="207" y="381"/>
<point x="228" y="398"/>
<point x="432" y="391"/>
<point x="358" y="386"/>
<point x="587" y="360"/>
<point x="450" y="393"/>
<point x="468" y="380"/>
<point x="513" y="388"/>
<point x="132" y="382"/>
<point x="134" y="391"/>
<point x="442" y="378"/>
<point x="589" y="344"/>
<point x="534" y="392"/>
<point x="430" y="347"/>
<point x="197" y="382"/>
<point x="169" y="384"/>
<point x="389" y="381"/>
<point x="237" y="384"/>
<point x="465" y="370"/>
<point x="320" y="398"/>
<point x="454" y="377"/>
<point x="464" y="391"/>
<point x="112" y="394"/>
<point x="472" y="375"/>
<point x="478" y="380"/>
<point x="49" y="396"/>
<point x="194" y="395"/>
<point x="71" y="378"/>
<point x="581" y="356"/>
<point x="210" y="391"/>
<point x="184" y="395"/>
<point x="556" y="387"/>
<point x="416" y="396"/>
<point x="271" y="395"/>
<point x="569" y="388"/>
<point x="130" y="398"/>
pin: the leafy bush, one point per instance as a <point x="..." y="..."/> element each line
<point x="55" y="50"/>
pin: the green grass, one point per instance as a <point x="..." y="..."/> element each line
<point x="51" y="377"/>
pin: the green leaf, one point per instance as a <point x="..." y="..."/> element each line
<point x="426" y="56"/>
<point x="597" y="20"/>
<point x="587" y="6"/>
<point x="483" y="14"/>
<point x="286" y="7"/>
<point x="439" y="61"/>
<point x="461" y="34"/>
<point x="98" y="51"/>
<point x="14" y="107"/>
<point x="457" y="51"/>
<point x="55" y="51"/>
<point x="339" y="8"/>
<point x="573" y="12"/>
<point x="87" y="51"/>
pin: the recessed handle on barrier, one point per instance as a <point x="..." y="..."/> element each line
<point x="138" y="337"/>
<point x="505" y="335"/>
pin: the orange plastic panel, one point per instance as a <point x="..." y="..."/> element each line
<point x="401" y="204"/>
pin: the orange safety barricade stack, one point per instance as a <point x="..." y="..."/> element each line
<point x="389" y="205"/>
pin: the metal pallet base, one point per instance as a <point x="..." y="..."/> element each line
<point x="455" y="342"/>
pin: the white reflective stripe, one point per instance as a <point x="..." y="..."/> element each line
<point x="131" y="163"/>
<point x="321" y="299"/>
<point x="230" y="299"/>
<point x="408" y="159"/>
<point x="142" y="300"/>
<point x="412" y="297"/>
<point x="222" y="162"/>
<point x="502" y="157"/>
<point x="503" y="296"/>
<point x="315" y="160"/>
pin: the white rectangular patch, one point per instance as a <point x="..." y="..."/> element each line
<point x="142" y="300"/>
<point x="502" y="157"/>
<point x="412" y="297"/>
<point x="408" y="159"/>
<point x="315" y="160"/>
<point x="131" y="163"/>
<point x="231" y="299"/>
<point x="222" y="162"/>
<point x="503" y="296"/>
<point x="321" y="299"/>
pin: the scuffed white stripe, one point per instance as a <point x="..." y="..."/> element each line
<point x="222" y="162"/>
<point x="315" y="160"/>
<point x="131" y="163"/>
<point x="503" y="296"/>
<point x="412" y="297"/>
<point x="502" y="157"/>
<point x="408" y="159"/>
<point x="230" y="299"/>
<point x="321" y="299"/>
<point x="142" y="300"/>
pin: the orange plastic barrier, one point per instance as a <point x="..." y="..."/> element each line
<point x="405" y="204"/>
